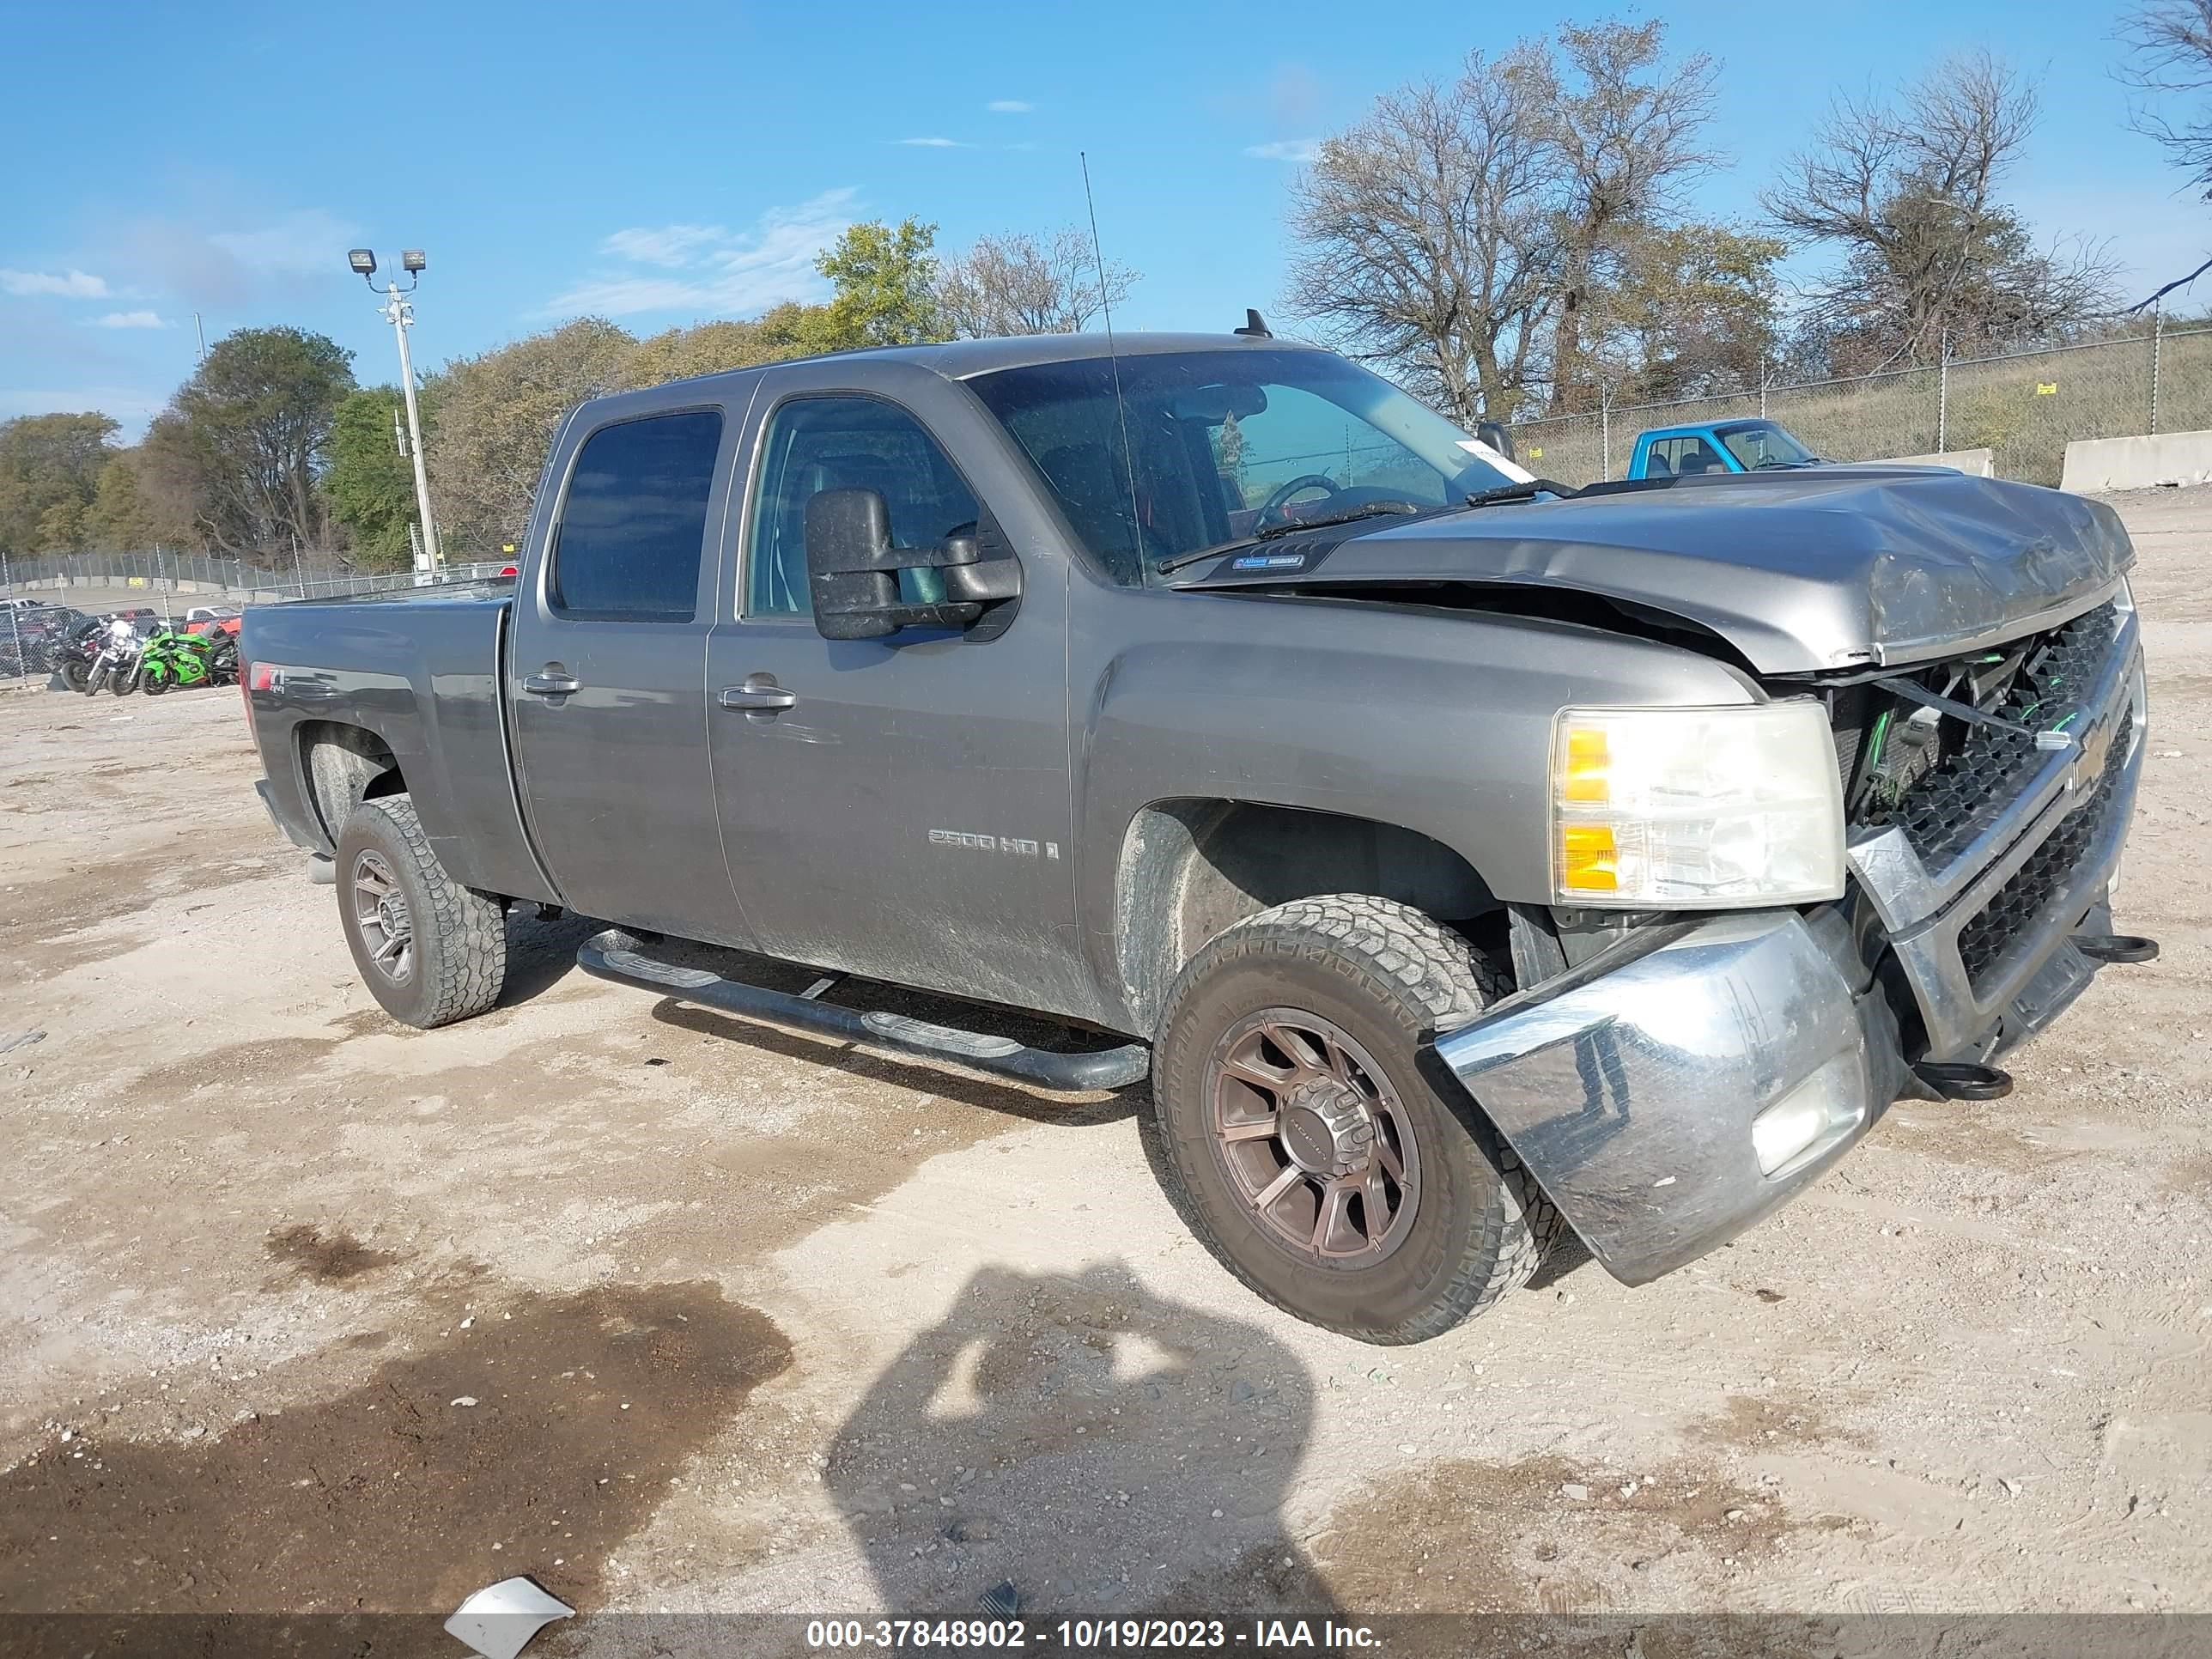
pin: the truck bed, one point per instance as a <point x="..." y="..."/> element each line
<point x="421" y="670"/>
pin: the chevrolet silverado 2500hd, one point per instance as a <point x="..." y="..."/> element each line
<point x="1458" y="854"/>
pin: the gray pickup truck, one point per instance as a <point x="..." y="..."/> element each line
<point x="1459" y="854"/>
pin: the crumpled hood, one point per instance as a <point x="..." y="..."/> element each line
<point x="1824" y="568"/>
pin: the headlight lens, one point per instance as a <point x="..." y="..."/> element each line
<point x="1695" y="808"/>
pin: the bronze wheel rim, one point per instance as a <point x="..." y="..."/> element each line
<point x="1314" y="1137"/>
<point x="380" y="912"/>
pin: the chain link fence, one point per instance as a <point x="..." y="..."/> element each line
<point x="169" y="585"/>
<point x="2025" y="407"/>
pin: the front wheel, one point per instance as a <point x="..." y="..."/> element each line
<point x="1305" y="1145"/>
<point x="75" y="671"/>
<point x="430" y="951"/>
<point x="155" y="684"/>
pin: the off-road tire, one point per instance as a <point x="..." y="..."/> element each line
<point x="1390" y="978"/>
<point x="460" y="936"/>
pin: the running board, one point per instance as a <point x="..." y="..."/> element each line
<point x="614" y="955"/>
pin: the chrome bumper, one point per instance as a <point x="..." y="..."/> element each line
<point x="1972" y="1009"/>
<point x="1629" y="1086"/>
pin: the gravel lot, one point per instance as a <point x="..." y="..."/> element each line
<point x="304" y="1311"/>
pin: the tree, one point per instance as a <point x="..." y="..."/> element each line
<point x="2171" y="40"/>
<point x="1017" y="284"/>
<point x="126" y="517"/>
<point x="1931" y="258"/>
<point x="49" y="467"/>
<point x="1690" y="312"/>
<point x="785" y="331"/>
<point x="243" y="440"/>
<point x="885" y="279"/>
<point x="1426" y="237"/>
<point x="369" y="482"/>
<point x="1625" y="135"/>
<point x="497" y="415"/>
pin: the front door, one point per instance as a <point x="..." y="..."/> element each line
<point x="898" y="808"/>
<point x="607" y="672"/>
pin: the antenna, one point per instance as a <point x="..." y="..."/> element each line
<point x="1120" y="407"/>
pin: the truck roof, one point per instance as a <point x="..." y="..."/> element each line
<point x="958" y="360"/>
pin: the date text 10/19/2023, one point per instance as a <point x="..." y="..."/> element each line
<point x="1089" y="1635"/>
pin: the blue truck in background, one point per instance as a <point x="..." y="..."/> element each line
<point x="1750" y="446"/>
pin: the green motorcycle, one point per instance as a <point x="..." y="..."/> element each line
<point x="184" y="660"/>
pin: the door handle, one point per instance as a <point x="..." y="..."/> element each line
<point x="552" y="685"/>
<point x="759" y="695"/>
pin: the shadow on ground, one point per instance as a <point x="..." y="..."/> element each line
<point x="1078" y="1446"/>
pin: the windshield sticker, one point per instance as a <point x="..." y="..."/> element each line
<point x="1271" y="561"/>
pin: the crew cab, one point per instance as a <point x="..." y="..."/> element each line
<point x="1460" y="857"/>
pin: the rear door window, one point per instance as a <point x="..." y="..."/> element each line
<point x="634" y="520"/>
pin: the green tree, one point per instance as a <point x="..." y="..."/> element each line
<point x="49" y="464"/>
<point x="497" y="414"/>
<point x="126" y="516"/>
<point x="1692" y="310"/>
<point x="244" y="439"/>
<point x="885" y="279"/>
<point x="369" y="484"/>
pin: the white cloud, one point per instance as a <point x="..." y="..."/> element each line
<point x="129" y="320"/>
<point x="713" y="271"/>
<point x="1009" y="107"/>
<point x="69" y="285"/>
<point x="670" y="245"/>
<point x="306" y="242"/>
<point x="933" y="143"/>
<point x="1287" y="149"/>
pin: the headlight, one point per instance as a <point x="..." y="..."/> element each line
<point x="1695" y="808"/>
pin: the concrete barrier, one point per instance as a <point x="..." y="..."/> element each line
<point x="2168" y="458"/>
<point x="1974" y="463"/>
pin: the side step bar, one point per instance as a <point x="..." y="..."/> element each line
<point x="614" y="955"/>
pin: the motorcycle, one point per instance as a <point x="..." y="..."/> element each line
<point x="177" y="660"/>
<point x="115" y="667"/>
<point x="74" y="651"/>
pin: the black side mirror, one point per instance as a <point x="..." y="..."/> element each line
<point x="1498" y="436"/>
<point x="853" y="569"/>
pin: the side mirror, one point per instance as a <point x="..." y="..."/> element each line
<point x="853" y="569"/>
<point x="1498" y="436"/>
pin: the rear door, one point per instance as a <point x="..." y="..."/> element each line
<point x="607" y="668"/>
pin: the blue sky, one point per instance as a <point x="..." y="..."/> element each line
<point x="659" y="163"/>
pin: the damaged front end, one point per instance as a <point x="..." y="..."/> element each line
<point x="1687" y="1080"/>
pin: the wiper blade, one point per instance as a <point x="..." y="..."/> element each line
<point x="1365" y="510"/>
<point x="1526" y="491"/>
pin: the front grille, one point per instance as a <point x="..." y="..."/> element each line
<point x="1943" y="801"/>
<point x="1984" y="940"/>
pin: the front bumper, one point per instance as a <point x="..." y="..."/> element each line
<point x="1629" y="1086"/>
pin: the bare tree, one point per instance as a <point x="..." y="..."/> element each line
<point x="1627" y="137"/>
<point x="1908" y="193"/>
<point x="2172" y="44"/>
<point x="1426" y="235"/>
<point x="1018" y="284"/>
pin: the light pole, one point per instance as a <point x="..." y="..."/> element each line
<point x="401" y="315"/>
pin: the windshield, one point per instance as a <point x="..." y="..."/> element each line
<point x="1762" y="443"/>
<point x="1227" y="445"/>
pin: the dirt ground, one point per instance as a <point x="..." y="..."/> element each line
<point x="306" y="1312"/>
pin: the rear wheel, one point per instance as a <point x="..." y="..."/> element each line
<point x="1306" y="1146"/>
<point x="430" y="951"/>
